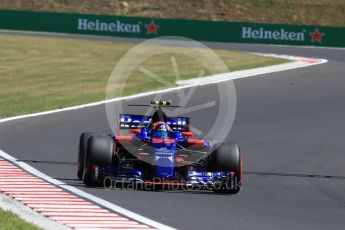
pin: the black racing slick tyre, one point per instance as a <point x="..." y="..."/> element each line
<point x="227" y="158"/>
<point x="100" y="150"/>
<point x="84" y="137"/>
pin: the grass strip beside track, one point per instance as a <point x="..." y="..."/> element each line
<point x="40" y="73"/>
<point x="9" y="221"/>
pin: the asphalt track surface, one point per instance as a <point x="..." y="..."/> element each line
<point x="290" y="126"/>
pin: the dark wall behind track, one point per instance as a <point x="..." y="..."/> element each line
<point x="195" y="29"/>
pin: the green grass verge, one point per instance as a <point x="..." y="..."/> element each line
<point x="39" y="73"/>
<point x="10" y="221"/>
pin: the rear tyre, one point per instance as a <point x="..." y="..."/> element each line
<point x="100" y="150"/>
<point x="84" y="137"/>
<point x="226" y="158"/>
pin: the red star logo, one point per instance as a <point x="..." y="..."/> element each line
<point x="316" y="36"/>
<point x="151" y="28"/>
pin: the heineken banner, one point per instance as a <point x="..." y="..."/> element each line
<point x="195" y="29"/>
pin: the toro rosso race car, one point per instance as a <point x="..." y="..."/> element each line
<point x="159" y="153"/>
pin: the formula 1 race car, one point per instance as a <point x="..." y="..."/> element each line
<point x="159" y="154"/>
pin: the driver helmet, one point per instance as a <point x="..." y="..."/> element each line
<point x="160" y="130"/>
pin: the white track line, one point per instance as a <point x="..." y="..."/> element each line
<point x="298" y="62"/>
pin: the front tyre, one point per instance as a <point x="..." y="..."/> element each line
<point x="100" y="150"/>
<point x="226" y="162"/>
<point x="84" y="137"/>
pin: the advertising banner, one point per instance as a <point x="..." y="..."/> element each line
<point x="140" y="27"/>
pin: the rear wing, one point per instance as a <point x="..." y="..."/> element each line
<point x="130" y="121"/>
